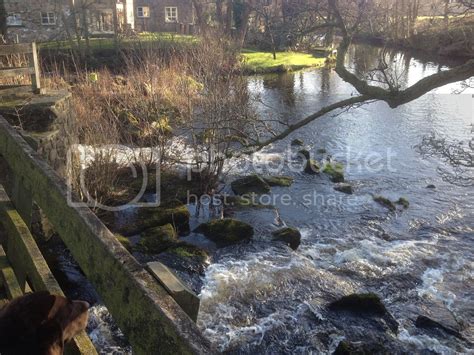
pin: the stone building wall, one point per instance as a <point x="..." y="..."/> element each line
<point x="156" y="21"/>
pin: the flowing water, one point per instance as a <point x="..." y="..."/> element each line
<point x="263" y="297"/>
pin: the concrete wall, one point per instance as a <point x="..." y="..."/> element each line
<point x="156" y="22"/>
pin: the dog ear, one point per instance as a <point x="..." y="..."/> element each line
<point x="50" y="338"/>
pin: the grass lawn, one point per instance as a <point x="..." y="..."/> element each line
<point x="263" y="62"/>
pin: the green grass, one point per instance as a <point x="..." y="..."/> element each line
<point x="263" y="62"/>
<point x="142" y="38"/>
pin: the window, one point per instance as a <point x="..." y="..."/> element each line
<point x="171" y="14"/>
<point x="143" y="11"/>
<point x="14" y="20"/>
<point x="48" y="18"/>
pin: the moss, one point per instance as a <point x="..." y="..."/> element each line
<point x="263" y="62"/>
<point x="312" y="167"/>
<point x="360" y="303"/>
<point x="124" y="241"/>
<point x="158" y="239"/>
<point x="403" y="202"/>
<point x="173" y="212"/>
<point x="304" y="153"/>
<point x="283" y="181"/>
<point x="385" y="202"/>
<point x="185" y="250"/>
<point x="225" y="232"/>
<point x="290" y="236"/>
<point x="297" y="142"/>
<point x="250" y="184"/>
<point x="335" y="171"/>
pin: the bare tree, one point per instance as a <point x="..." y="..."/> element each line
<point x="457" y="155"/>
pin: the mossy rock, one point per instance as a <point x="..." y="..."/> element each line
<point x="185" y="250"/>
<point x="157" y="239"/>
<point x="226" y="232"/>
<point x="283" y="181"/>
<point x="321" y="151"/>
<point x="288" y="235"/>
<point x="252" y="184"/>
<point x="335" y="172"/>
<point x="403" y="202"/>
<point x="385" y="202"/>
<point x="360" y="303"/>
<point x="344" y="188"/>
<point x="312" y="167"/>
<point x="305" y="154"/>
<point x="173" y="212"/>
<point x="297" y="142"/>
<point x="124" y="241"/>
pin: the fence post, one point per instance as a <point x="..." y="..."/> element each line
<point x="35" y="77"/>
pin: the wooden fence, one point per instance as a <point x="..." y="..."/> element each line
<point x="32" y="67"/>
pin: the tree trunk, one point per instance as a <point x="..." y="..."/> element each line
<point x="3" y="19"/>
<point x="244" y="24"/>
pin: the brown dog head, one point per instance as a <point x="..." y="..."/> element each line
<point x="42" y="321"/>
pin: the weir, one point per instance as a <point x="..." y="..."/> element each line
<point x="142" y="306"/>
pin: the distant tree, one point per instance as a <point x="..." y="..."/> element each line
<point x="3" y="19"/>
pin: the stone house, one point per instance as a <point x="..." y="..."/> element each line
<point x="164" y="16"/>
<point x="46" y="20"/>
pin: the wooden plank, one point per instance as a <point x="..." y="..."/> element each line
<point x="10" y="283"/>
<point x="21" y="48"/>
<point x="36" y="75"/>
<point x="186" y="298"/>
<point x="12" y="72"/>
<point x="28" y="262"/>
<point x="149" y="317"/>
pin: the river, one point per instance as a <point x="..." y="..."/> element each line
<point x="264" y="298"/>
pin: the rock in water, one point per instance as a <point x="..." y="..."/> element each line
<point x="290" y="236"/>
<point x="385" y="202"/>
<point x="282" y="181"/>
<point x="312" y="167"/>
<point x="403" y="202"/>
<point x="226" y="232"/>
<point x="335" y="171"/>
<point x="305" y="154"/>
<point x="346" y="348"/>
<point x="365" y="304"/>
<point x="158" y="239"/>
<point x="297" y="142"/>
<point x="428" y="323"/>
<point x="252" y="184"/>
<point x="345" y="188"/>
<point x="431" y="186"/>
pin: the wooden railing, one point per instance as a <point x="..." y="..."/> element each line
<point x="32" y="68"/>
<point x="144" y="310"/>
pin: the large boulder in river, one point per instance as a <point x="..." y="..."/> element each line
<point x="290" y="236"/>
<point x="173" y="212"/>
<point x="359" y="348"/>
<point x="157" y="239"/>
<point x="430" y="324"/>
<point x="252" y="184"/>
<point x="226" y="232"/>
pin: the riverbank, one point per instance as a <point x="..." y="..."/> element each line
<point x="455" y="42"/>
